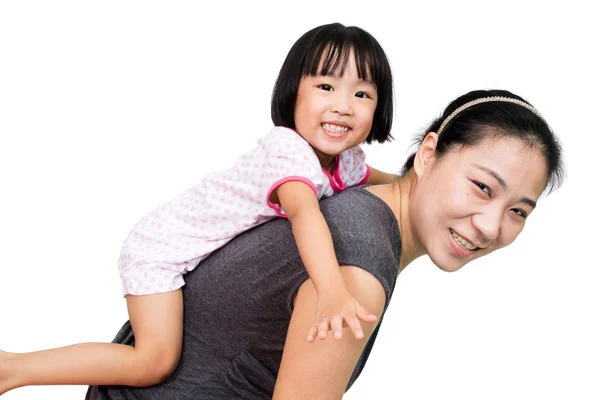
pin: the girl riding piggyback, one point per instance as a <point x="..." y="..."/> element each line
<point x="334" y="92"/>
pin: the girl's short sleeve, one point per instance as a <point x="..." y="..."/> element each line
<point x="353" y="167"/>
<point x="288" y="157"/>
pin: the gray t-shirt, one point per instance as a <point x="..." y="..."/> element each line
<point x="238" y="302"/>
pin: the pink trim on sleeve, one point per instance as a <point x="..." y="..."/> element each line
<point x="280" y="182"/>
<point x="366" y="178"/>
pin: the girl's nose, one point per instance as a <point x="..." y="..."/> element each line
<point x="342" y="105"/>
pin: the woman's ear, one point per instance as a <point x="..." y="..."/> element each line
<point x="425" y="156"/>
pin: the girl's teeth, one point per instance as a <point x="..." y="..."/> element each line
<point x="335" y="128"/>
<point x="463" y="242"/>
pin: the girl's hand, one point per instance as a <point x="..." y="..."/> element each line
<point x="336" y="309"/>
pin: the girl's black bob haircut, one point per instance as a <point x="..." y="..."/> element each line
<point x="329" y="46"/>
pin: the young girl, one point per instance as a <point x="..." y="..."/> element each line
<point x="334" y="92"/>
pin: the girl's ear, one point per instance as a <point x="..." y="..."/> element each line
<point x="426" y="155"/>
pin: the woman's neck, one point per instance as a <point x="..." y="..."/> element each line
<point x="397" y="196"/>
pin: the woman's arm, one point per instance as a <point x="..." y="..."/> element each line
<point x="335" y="305"/>
<point x="322" y="370"/>
<point x="377" y="177"/>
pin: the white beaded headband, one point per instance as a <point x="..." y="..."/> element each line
<point x="487" y="100"/>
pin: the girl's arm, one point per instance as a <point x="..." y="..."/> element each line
<point x="322" y="370"/>
<point x="377" y="177"/>
<point x="336" y="307"/>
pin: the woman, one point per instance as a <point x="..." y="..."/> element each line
<point x="467" y="191"/>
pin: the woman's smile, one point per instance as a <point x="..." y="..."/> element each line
<point x="461" y="246"/>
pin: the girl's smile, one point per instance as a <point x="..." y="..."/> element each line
<point x="335" y="129"/>
<point x="334" y="113"/>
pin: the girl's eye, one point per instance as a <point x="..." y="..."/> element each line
<point x="362" y="95"/>
<point x="326" y="87"/>
<point x="520" y="213"/>
<point x="484" y="188"/>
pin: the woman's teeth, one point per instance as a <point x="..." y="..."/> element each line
<point x="462" y="241"/>
<point x="335" y="128"/>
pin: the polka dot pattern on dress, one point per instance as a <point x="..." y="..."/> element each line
<point x="175" y="237"/>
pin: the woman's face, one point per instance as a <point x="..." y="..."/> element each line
<point x="475" y="199"/>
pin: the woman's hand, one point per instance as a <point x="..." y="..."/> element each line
<point x="336" y="309"/>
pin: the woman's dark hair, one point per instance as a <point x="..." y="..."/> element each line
<point x="335" y="41"/>
<point x="495" y="119"/>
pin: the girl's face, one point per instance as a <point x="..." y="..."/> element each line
<point x="474" y="200"/>
<point x="335" y="113"/>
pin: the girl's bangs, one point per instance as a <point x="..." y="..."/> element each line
<point x="331" y="58"/>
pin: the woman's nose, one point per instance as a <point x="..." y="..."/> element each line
<point x="488" y="223"/>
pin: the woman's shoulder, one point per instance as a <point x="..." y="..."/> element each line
<point x="360" y="214"/>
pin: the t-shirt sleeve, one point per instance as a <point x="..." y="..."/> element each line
<point x="242" y="297"/>
<point x="288" y="157"/>
<point x="353" y="167"/>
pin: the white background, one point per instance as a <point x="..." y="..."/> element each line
<point x="109" y="108"/>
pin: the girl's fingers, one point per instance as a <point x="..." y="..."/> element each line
<point x="354" y="325"/>
<point x="323" y="328"/>
<point x="336" y="327"/>
<point x="312" y="333"/>
<point x="364" y="315"/>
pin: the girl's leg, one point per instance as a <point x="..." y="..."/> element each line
<point x="157" y="323"/>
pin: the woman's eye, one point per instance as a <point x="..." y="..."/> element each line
<point x="326" y="87"/>
<point x="362" y="95"/>
<point x="484" y="188"/>
<point x="520" y="213"/>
